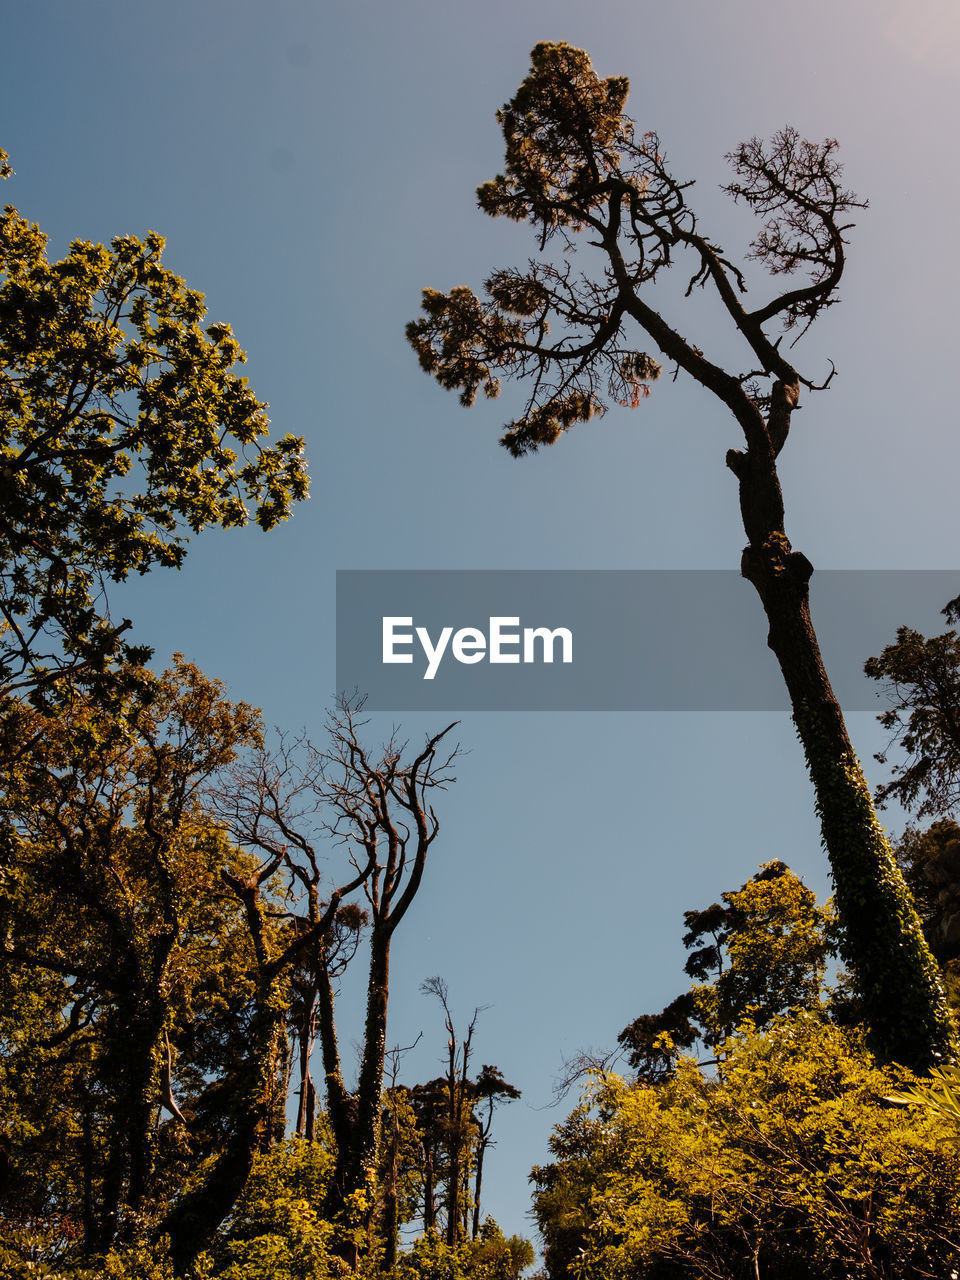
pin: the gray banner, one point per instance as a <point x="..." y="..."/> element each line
<point x="608" y="640"/>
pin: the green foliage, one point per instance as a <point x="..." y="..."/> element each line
<point x="124" y="427"/>
<point x="32" y="1253"/>
<point x="570" y="156"/>
<point x="276" y="1232"/>
<point x="431" y="1258"/>
<point x="895" y="975"/>
<point x="563" y="129"/>
<point x="124" y="961"/>
<point x="400" y="1176"/>
<point x="141" y="1263"/>
<point x="492" y="1256"/>
<point x="788" y="1162"/>
<point x="22" y="1253"/>
<point x="939" y="1094"/>
<point x="776" y="944"/>
<point x="767" y="952"/>
<point x="922" y="677"/>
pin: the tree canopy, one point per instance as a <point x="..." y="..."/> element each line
<point x="124" y="429"/>
<point x="788" y="1162"/>
<point x="575" y="166"/>
<point x="759" y="954"/>
<point x="168" y="919"/>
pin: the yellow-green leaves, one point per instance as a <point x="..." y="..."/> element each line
<point x="939" y="1094"/>
<point x="124" y="428"/>
<point x="788" y="1162"/>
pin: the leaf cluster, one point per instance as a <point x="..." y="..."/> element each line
<point x="787" y="1162"/>
<point x="921" y="677"/>
<point x="491" y="1256"/>
<point x="125" y="428"/>
<point x="576" y="166"/>
<point x="759" y="953"/>
<point x="123" y="958"/>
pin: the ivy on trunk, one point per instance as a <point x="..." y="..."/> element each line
<point x="577" y="169"/>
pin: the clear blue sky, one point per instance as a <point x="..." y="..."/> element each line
<point x="313" y="166"/>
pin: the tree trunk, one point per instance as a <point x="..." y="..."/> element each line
<point x="304" y="1045"/>
<point x="339" y="1101"/>
<point x="309" y="1132"/>
<point x="478" y="1181"/>
<point x="87" y="1161"/>
<point x="391" y="1214"/>
<point x="194" y="1219"/>
<point x="356" y="1118"/>
<point x="902" y="996"/>
<point x="429" y="1202"/>
<point x="131" y="1072"/>
<point x="366" y="1133"/>
<point x="453" y="1193"/>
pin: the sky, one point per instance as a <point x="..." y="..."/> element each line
<point x="313" y="167"/>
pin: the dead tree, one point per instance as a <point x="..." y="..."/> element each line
<point x="271" y="806"/>
<point x="380" y="807"/>
<point x="458" y="1127"/>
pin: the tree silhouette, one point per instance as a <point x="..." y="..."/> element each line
<point x="380" y="806"/>
<point x="489" y="1089"/>
<point x="922" y="676"/>
<point x="457" y="1124"/>
<point x="577" y="169"/>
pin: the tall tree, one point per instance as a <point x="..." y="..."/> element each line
<point x="575" y="165"/>
<point x="380" y="807"/>
<point x="489" y="1089"/>
<point x="110" y="909"/>
<point x="455" y="1117"/>
<point x="270" y="803"/>
<point x="429" y="1107"/>
<point x="123" y="428"/>
<point x="458" y="1126"/>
